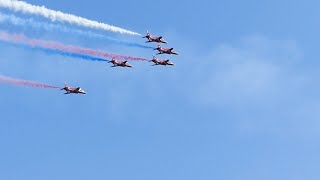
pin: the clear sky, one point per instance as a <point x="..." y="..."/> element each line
<point x="241" y="103"/>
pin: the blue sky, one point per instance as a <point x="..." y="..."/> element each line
<point x="241" y="103"/>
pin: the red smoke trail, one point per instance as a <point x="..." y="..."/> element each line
<point x="21" y="39"/>
<point x="9" y="80"/>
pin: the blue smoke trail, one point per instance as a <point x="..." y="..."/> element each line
<point x="51" y="51"/>
<point x="55" y="27"/>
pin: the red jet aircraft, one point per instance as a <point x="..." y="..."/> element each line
<point x="154" y="38"/>
<point x="70" y="90"/>
<point x="156" y="62"/>
<point x="119" y="63"/>
<point x="165" y="50"/>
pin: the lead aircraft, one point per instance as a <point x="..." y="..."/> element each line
<point x="154" y="38"/>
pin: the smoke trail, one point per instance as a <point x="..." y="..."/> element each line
<point x="9" y="80"/>
<point x="56" y="27"/>
<point x="60" y="16"/>
<point x="51" y="51"/>
<point x="20" y="39"/>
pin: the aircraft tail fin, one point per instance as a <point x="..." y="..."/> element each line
<point x="154" y="57"/>
<point x="65" y="86"/>
<point x="146" y="36"/>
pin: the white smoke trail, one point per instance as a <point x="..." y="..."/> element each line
<point x="24" y="7"/>
<point x="17" y="21"/>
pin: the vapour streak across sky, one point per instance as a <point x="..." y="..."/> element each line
<point x="20" y="82"/>
<point x="53" y="15"/>
<point x="51" y="45"/>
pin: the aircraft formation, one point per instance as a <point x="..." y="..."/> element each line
<point x="117" y="63"/>
<point x="57" y="22"/>
<point x="155" y="60"/>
